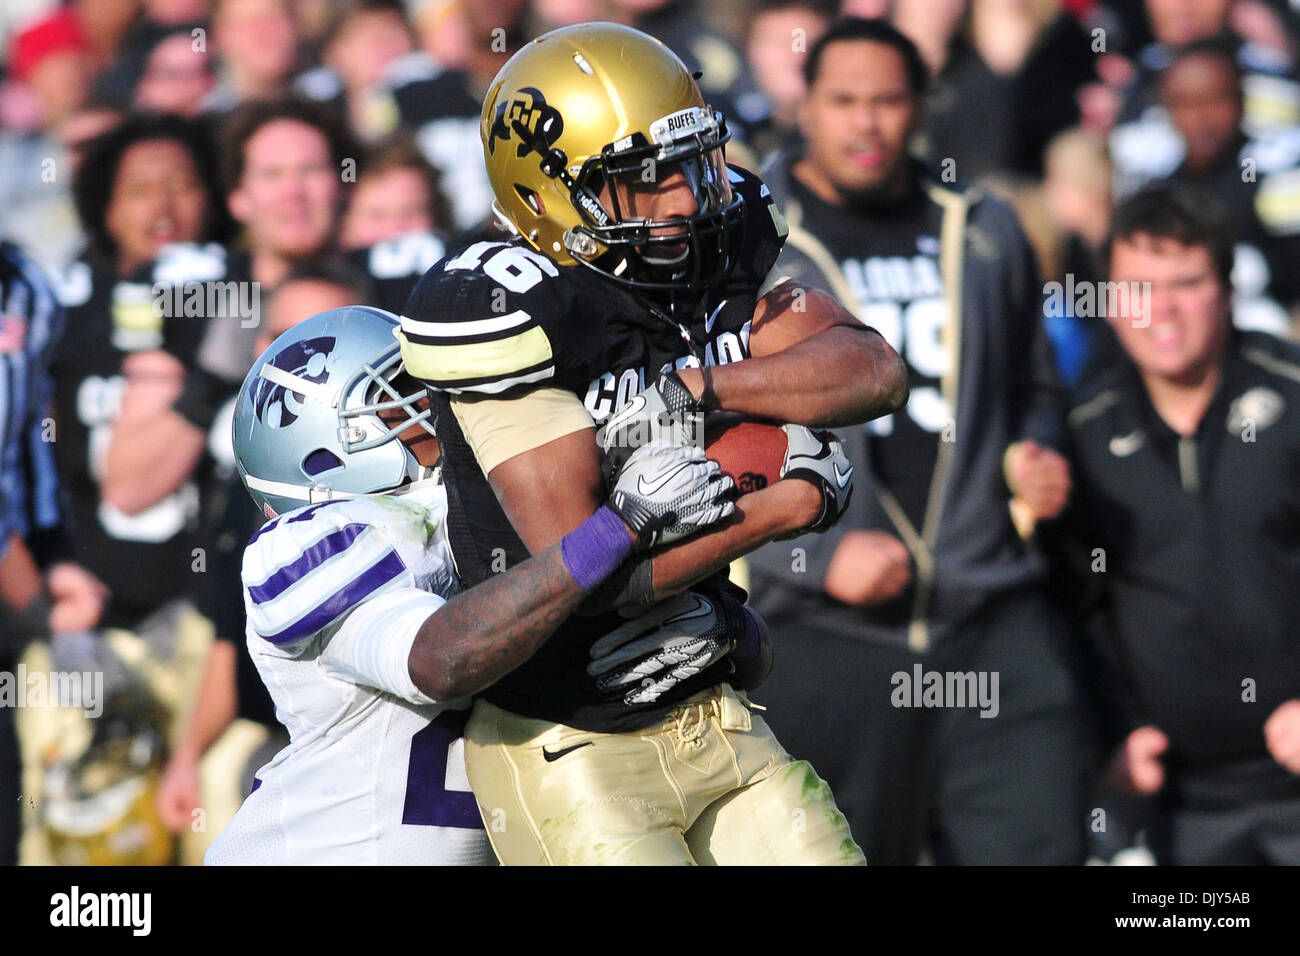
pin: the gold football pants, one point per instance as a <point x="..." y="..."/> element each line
<point x="708" y="785"/>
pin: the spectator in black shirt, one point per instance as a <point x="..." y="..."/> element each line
<point x="1145" y="145"/>
<point x="441" y="106"/>
<point x="1004" y="85"/>
<point x="1186" y="528"/>
<point x="925" y="572"/>
<point x="146" y="183"/>
<point x="1201" y="90"/>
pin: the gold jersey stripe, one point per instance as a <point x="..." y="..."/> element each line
<point x="497" y="358"/>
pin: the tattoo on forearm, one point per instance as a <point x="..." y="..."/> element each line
<point x="484" y="633"/>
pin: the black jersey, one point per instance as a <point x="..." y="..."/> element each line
<point x="1198" y="537"/>
<point x="144" y="559"/>
<point x="890" y="258"/>
<point x="443" y="109"/>
<point x="501" y="319"/>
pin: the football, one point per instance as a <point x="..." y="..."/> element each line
<point x="750" y="451"/>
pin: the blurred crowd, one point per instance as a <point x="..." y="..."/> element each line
<point x="189" y="178"/>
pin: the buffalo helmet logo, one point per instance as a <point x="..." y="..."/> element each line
<point x="279" y="407"/>
<point x="527" y="115"/>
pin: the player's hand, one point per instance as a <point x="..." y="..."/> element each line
<point x="1282" y="735"/>
<point x="664" y="411"/>
<point x="77" y="598"/>
<point x="1136" y="767"/>
<point x="178" y="793"/>
<point x="1039" y="477"/>
<point x="668" y="492"/>
<point x="153" y="365"/>
<point x="1259" y="24"/>
<point x="868" y="567"/>
<point x="676" y="639"/>
<point x="817" y="456"/>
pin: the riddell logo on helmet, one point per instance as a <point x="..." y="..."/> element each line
<point x="592" y="208"/>
<point x="528" y="116"/>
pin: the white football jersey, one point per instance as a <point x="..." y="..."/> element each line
<point x="374" y="772"/>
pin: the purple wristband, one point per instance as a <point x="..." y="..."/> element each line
<point x="596" y="547"/>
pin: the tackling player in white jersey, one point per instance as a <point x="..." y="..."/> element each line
<point x="355" y="622"/>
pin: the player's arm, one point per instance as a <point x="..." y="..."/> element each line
<point x="777" y="511"/>
<point x="153" y="449"/>
<point x="479" y="636"/>
<point x="813" y="363"/>
<point x="411" y="643"/>
<point x="548" y="491"/>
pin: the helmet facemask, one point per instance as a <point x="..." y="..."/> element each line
<point x="383" y="388"/>
<point x="380" y="393"/>
<point x="681" y="256"/>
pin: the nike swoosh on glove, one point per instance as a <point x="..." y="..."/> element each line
<point x="668" y="492"/>
<point x="672" y="642"/>
<point x="664" y="411"/>
<point x="817" y="456"/>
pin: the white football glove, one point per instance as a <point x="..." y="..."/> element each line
<point x="664" y="411"/>
<point x="817" y="456"/>
<point x="668" y="492"/>
<point x="672" y="642"/>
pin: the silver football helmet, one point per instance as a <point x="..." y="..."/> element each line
<point x="307" y="425"/>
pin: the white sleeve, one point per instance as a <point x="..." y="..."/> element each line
<point x="373" y="644"/>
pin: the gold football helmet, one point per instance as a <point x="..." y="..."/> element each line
<point x="577" y="117"/>
<point x="99" y="807"/>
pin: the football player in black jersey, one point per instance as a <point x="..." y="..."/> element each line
<point x="642" y="271"/>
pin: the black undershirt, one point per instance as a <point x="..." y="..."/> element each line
<point x="890" y="256"/>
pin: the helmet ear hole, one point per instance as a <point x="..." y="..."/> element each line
<point x="319" y="461"/>
<point x="531" y="199"/>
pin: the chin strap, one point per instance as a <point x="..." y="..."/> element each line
<point x="317" y="493"/>
<point x="283" y="489"/>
